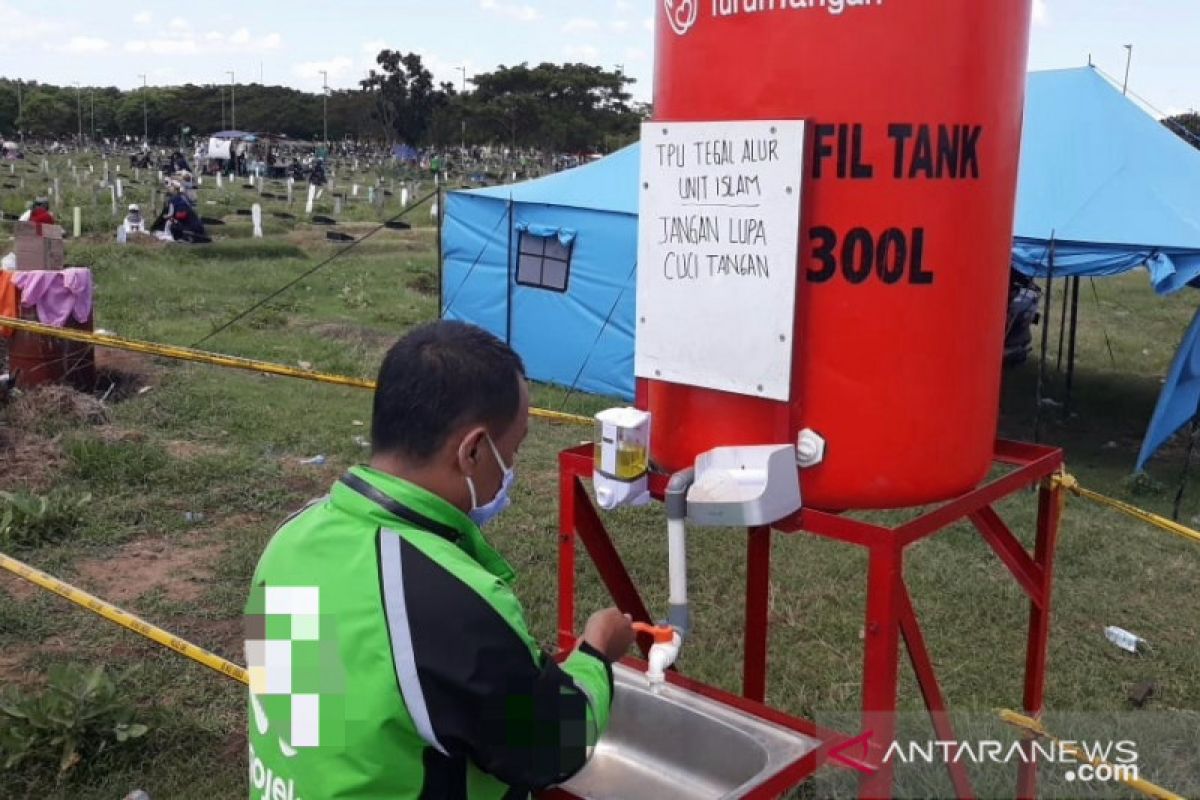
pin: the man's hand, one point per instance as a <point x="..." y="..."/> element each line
<point x="610" y="632"/>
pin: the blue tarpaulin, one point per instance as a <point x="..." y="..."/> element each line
<point x="1180" y="396"/>
<point x="1110" y="185"/>
<point x="582" y="337"/>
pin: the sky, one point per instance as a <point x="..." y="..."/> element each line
<point x="291" y="42"/>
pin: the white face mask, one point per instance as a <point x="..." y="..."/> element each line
<point x="483" y="514"/>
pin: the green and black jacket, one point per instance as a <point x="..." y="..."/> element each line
<point x="419" y="661"/>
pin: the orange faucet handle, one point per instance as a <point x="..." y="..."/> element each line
<point x="664" y="635"/>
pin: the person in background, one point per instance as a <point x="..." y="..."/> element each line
<point x="183" y="222"/>
<point x="423" y="679"/>
<point x="39" y="212"/>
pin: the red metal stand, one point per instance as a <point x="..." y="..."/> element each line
<point x="889" y="614"/>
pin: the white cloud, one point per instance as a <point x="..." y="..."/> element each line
<point x="338" y="67"/>
<point x="178" y="24"/>
<point x="1041" y="13"/>
<point x="84" y="45"/>
<point x="163" y="47"/>
<point x="619" y="25"/>
<point x="636" y="54"/>
<point x="581" y="52"/>
<point x="180" y="42"/>
<point x="624" y="5"/>
<point x="20" y="27"/>
<point x="580" y="25"/>
<point x="517" y="11"/>
<point x="143" y="18"/>
<point x="374" y="48"/>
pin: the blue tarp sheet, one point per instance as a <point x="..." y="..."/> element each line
<point x="581" y="338"/>
<point x="1180" y="396"/>
<point x="1108" y="183"/>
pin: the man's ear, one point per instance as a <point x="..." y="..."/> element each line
<point x="470" y="449"/>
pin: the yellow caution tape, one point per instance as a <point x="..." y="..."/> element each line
<point x="230" y="362"/>
<point x="1137" y="784"/>
<point x="1071" y="484"/>
<point x="124" y="619"/>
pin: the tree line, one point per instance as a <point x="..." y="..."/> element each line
<point x="558" y="107"/>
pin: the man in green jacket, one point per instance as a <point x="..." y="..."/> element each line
<point x="388" y="656"/>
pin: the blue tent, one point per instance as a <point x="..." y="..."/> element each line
<point x="550" y="266"/>
<point x="1111" y="186"/>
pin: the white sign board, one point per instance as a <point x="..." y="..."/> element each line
<point x="718" y="254"/>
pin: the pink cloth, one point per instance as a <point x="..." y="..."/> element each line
<point x="58" y="295"/>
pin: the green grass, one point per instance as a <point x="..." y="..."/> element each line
<point x="227" y="445"/>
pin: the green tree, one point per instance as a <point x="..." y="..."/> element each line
<point x="405" y="96"/>
<point x="8" y="109"/>
<point x="1187" y="126"/>
<point x="564" y="107"/>
<point x="47" y="113"/>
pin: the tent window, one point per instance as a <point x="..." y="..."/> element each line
<point x="543" y="262"/>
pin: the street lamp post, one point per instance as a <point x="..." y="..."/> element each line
<point x="463" y="70"/>
<point x="92" y="102"/>
<point x="232" y="101"/>
<point x="145" y="111"/>
<point x="325" y="104"/>
<point x="20" y="112"/>
<point x="79" y="110"/>
<point x="1128" y="64"/>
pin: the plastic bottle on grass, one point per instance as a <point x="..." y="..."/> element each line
<point x="1125" y="640"/>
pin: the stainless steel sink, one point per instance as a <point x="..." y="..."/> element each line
<point x="673" y="744"/>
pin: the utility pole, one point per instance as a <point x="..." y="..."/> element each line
<point x="79" y="110"/>
<point x="92" y="102"/>
<point x="222" y="107"/>
<point x="232" y="102"/>
<point x="463" y="70"/>
<point x="20" y="113"/>
<point x="325" y="104"/>
<point x="1128" y="64"/>
<point x="145" y="111"/>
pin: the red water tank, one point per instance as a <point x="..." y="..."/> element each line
<point x="916" y="109"/>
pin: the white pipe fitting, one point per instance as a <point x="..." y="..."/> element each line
<point x="662" y="658"/>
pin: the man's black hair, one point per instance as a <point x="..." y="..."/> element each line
<point x="437" y="378"/>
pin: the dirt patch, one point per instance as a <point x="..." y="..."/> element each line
<point x="137" y="568"/>
<point x="53" y="403"/>
<point x="28" y="460"/>
<point x="354" y="334"/>
<point x="225" y="637"/>
<point x="17" y="588"/>
<point x="121" y="375"/>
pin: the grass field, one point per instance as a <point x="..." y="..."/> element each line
<point x="189" y="478"/>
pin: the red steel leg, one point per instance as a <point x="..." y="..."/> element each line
<point x="566" y="559"/>
<point x="758" y="586"/>
<point x="922" y="665"/>
<point x="1049" y="511"/>
<point x="881" y="659"/>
